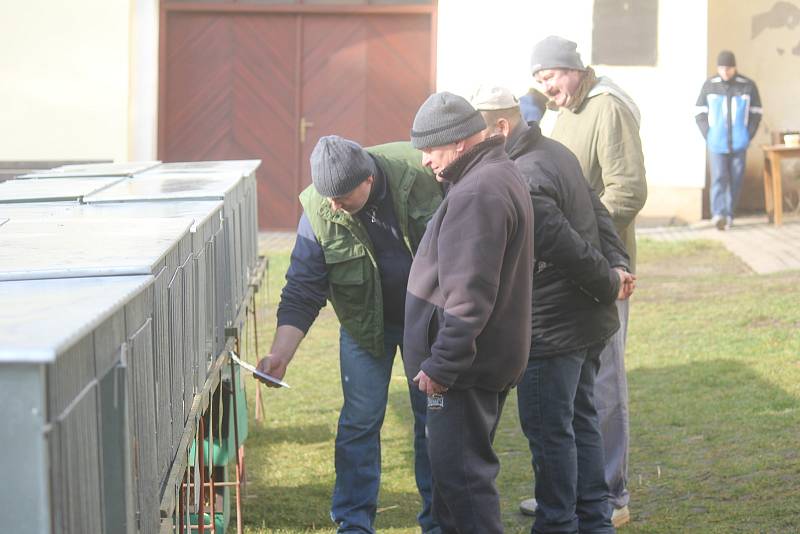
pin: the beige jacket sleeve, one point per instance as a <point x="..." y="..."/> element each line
<point x="619" y="154"/>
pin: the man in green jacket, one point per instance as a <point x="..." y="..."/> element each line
<point x="599" y="123"/>
<point x="362" y="221"/>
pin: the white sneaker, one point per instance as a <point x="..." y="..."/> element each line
<point x="528" y="507"/>
<point x="719" y="221"/>
<point x="619" y="516"/>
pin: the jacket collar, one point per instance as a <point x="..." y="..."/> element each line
<point x="466" y="161"/>
<point x="592" y="86"/>
<point x="589" y="80"/>
<point x="379" y="187"/>
<point x="605" y="85"/>
<point x="522" y="139"/>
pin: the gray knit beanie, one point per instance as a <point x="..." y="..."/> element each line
<point x="555" y="53"/>
<point x="339" y="165"/>
<point x="444" y="118"/>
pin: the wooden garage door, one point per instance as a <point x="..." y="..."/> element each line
<point x="267" y="85"/>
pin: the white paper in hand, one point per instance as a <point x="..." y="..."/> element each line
<point x="258" y="373"/>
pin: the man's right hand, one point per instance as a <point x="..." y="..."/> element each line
<point x="274" y="366"/>
<point x="284" y="345"/>
<point x="428" y="385"/>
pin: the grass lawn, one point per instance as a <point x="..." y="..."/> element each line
<point x="713" y="364"/>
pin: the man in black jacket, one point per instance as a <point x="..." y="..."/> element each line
<point x="467" y="331"/>
<point x="581" y="268"/>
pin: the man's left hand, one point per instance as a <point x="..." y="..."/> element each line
<point x="627" y="283"/>
<point x="427" y="385"/>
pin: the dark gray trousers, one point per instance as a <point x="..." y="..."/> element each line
<point x="464" y="465"/>
<point x="611" y="401"/>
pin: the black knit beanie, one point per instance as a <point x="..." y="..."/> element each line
<point x="726" y="59"/>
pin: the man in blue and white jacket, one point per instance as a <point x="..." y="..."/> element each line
<point x="728" y="114"/>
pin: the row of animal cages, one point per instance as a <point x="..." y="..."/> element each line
<point x="119" y="286"/>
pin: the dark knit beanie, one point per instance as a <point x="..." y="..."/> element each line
<point x="444" y="118"/>
<point x="555" y="53"/>
<point x="726" y="59"/>
<point x="339" y="165"/>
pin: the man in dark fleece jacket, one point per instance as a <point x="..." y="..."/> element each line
<point x="467" y="329"/>
<point x="581" y="268"/>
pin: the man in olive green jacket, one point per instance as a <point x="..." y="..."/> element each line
<point x="599" y="123"/>
<point x="362" y="221"/>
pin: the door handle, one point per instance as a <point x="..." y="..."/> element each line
<point x="304" y="125"/>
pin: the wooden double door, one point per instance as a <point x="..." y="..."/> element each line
<point x="268" y="85"/>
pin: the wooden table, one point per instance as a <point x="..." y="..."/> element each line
<point x="773" y="189"/>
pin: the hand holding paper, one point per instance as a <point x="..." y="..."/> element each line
<point x="258" y="374"/>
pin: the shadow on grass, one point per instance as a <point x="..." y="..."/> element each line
<point x="296" y="498"/>
<point x="307" y="507"/>
<point x="302" y="435"/>
<point x="713" y="449"/>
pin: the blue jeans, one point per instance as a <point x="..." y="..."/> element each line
<point x="365" y="387"/>
<point x="557" y="413"/>
<point x="727" y="171"/>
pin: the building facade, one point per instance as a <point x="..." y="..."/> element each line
<point x="177" y="80"/>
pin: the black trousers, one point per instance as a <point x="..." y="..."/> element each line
<point x="464" y="465"/>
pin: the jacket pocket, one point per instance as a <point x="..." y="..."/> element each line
<point x="341" y="255"/>
<point x="347" y="273"/>
<point x="416" y="335"/>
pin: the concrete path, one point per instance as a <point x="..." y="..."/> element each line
<point x="270" y="242"/>
<point x="762" y="246"/>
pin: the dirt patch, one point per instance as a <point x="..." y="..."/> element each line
<point x="686" y="258"/>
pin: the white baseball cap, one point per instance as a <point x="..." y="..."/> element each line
<point x="491" y="97"/>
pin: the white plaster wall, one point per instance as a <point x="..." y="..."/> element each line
<point x="65" y="79"/>
<point x="492" y="41"/>
<point x="675" y="151"/>
<point x="143" y="87"/>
